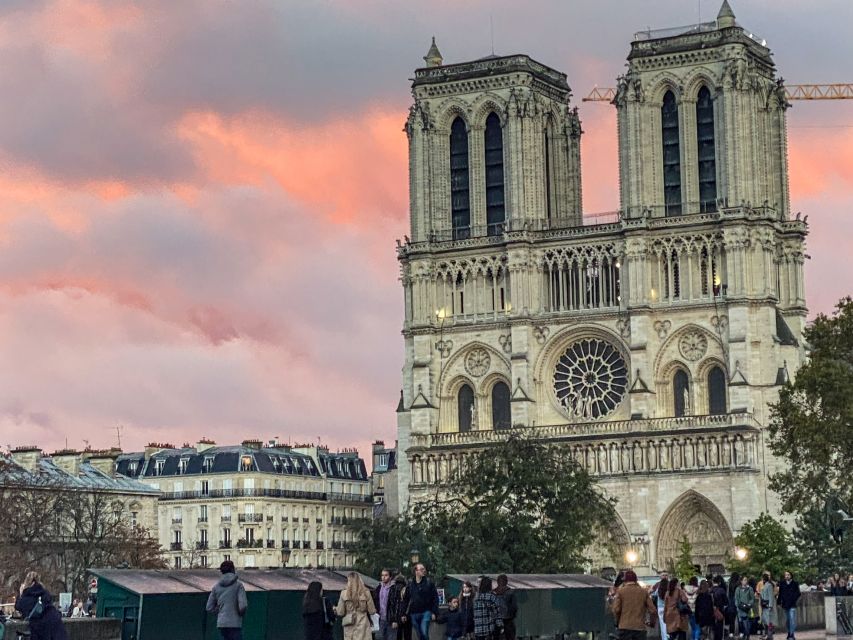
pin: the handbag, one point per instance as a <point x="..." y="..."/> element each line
<point x="650" y="620"/>
<point x="718" y="615"/>
<point x="683" y="608"/>
<point x="37" y="611"/>
<point x="348" y="620"/>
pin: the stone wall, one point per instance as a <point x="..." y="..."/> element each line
<point x="79" y="628"/>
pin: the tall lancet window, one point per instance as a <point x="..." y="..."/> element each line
<point x="495" y="211"/>
<point x="671" y="156"/>
<point x="460" y="207"/>
<point x="707" y="153"/>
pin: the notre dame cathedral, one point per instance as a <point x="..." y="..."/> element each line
<point x="649" y="343"/>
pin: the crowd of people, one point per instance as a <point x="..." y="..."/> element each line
<point x="709" y="608"/>
<point x="404" y="609"/>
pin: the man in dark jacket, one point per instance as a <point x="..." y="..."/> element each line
<point x="509" y="607"/>
<point x="228" y="601"/>
<point x="423" y="602"/>
<point x="630" y="607"/>
<point x="45" y="621"/>
<point x="398" y="603"/>
<point x="789" y="594"/>
<point x="720" y="598"/>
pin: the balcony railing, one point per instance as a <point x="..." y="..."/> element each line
<point x="202" y="519"/>
<point x="566" y="431"/>
<point x="270" y="544"/>
<point x="320" y="545"/>
<point x="177" y="520"/>
<point x="225" y="544"/>
<point x="250" y="517"/>
<point x="225" y="518"/>
<point x="337" y="544"/>
<point x="306" y="544"/>
<point x="201" y="545"/>
<point x="242" y="543"/>
<point x="244" y="493"/>
<point x="297" y="544"/>
<point x="349" y="497"/>
<point x="176" y="546"/>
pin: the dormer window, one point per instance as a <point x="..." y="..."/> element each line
<point x="207" y="464"/>
<point x="182" y="465"/>
<point x="158" y="467"/>
<point x="246" y="463"/>
<point x="131" y="468"/>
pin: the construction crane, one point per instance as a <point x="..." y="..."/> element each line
<point x="838" y="91"/>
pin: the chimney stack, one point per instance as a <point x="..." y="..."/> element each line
<point x="27" y="457"/>
<point x="204" y="444"/>
<point x="68" y="460"/>
<point x="104" y="461"/>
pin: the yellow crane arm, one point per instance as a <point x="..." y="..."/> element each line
<point x="836" y="91"/>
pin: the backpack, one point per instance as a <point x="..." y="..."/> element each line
<point x="36" y="612"/>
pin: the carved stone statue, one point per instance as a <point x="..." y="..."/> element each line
<point x="686" y="397"/>
<point x="474" y="415"/>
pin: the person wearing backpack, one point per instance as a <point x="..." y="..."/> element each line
<point x="36" y="606"/>
<point x="228" y="601"/>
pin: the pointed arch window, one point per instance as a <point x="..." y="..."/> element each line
<point x="716" y="391"/>
<point x="681" y="393"/>
<point x="465" y="404"/>
<point x="495" y="207"/>
<point x="671" y="155"/>
<point x="501" y="414"/>
<point x="707" y="151"/>
<point x="460" y="207"/>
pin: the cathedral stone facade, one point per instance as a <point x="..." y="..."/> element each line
<point x="650" y="343"/>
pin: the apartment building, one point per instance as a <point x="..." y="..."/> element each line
<point x="258" y="505"/>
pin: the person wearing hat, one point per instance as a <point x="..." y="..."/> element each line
<point x="228" y="601"/>
<point x="630" y="607"/>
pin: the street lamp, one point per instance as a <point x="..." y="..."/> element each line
<point x="285" y="557"/>
<point x="631" y="558"/>
<point x="740" y="553"/>
<point x="414" y="556"/>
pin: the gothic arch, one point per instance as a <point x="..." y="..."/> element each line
<point x="451" y="109"/>
<point x="669" y="350"/>
<point x="486" y="389"/>
<point x="610" y="546"/>
<point x="486" y="104"/>
<point x="696" y="78"/>
<point x="455" y="374"/>
<point x="706" y="528"/>
<point x="660" y="84"/>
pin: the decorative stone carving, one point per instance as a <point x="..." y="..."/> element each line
<point x="505" y="342"/>
<point x="693" y="345"/>
<point x="590" y="379"/>
<point x="662" y="327"/>
<point x="444" y="347"/>
<point x="623" y="325"/>
<point x="477" y="362"/>
<point x="541" y="333"/>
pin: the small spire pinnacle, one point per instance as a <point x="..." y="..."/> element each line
<point x="433" y="57"/>
<point x="726" y="17"/>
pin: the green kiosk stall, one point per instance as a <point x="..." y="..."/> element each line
<point x="169" y="605"/>
<point x="554" y="605"/>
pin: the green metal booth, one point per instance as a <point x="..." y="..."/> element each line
<point x="554" y="605"/>
<point x="170" y="605"/>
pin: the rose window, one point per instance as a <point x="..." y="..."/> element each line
<point x="590" y="379"/>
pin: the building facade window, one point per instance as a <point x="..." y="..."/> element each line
<point x="671" y="155"/>
<point x="460" y="203"/>
<point x="707" y="151"/>
<point x="716" y="391"/>
<point x="681" y="393"/>
<point x="495" y="207"/>
<point x="466" y="408"/>
<point x="501" y="414"/>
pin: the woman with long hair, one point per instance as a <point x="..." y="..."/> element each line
<point x="676" y="612"/>
<point x="36" y="606"/>
<point x="317" y="615"/>
<point x="355" y="608"/>
<point x="466" y="606"/>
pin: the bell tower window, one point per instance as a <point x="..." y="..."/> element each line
<point x="716" y="392"/>
<point x="501" y="414"/>
<point x="465" y="401"/>
<point x="707" y="152"/>
<point x="671" y="155"/>
<point x="495" y="210"/>
<point x="460" y="207"/>
<point x="681" y="393"/>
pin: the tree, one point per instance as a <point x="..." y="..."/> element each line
<point x="684" y="567"/>
<point x="826" y="548"/>
<point x="769" y="547"/>
<point x="812" y="422"/>
<point x="520" y="506"/>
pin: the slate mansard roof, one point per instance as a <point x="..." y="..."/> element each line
<point x="232" y="459"/>
<point x="88" y="478"/>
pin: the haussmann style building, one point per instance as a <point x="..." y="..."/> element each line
<point x="649" y="345"/>
<point x="258" y="504"/>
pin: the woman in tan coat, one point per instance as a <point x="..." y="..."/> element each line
<point x="677" y="623"/>
<point x="355" y="608"/>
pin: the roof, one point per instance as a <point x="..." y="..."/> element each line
<point x="90" y="478"/>
<point x="494" y="66"/>
<point x="526" y="581"/>
<point x="230" y="459"/>
<point x="146" y="582"/>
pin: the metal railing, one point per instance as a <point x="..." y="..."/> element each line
<point x="176" y="546"/>
<point x="250" y="517"/>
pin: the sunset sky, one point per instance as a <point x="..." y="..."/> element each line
<point x="199" y="200"/>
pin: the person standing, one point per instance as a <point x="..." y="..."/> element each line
<point x="317" y="619"/>
<point x="704" y="611"/>
<point x="355" y="607"/>
<point x="380" y="600"/>
<point x="730" y="611"/>
<point x="454" y="619"/>
<point x="744" y="602"/>
<point x="228" y="601"/>
<point x="767" y="594"/>
<point x="398" y="603"/>
<point x="659" y="599"/>
<point x="789" y="594"/>
<point x="423" y="602"/>
<point x="466" y="605"/>
<point x="36" y="605"/>
<point x="488" y="618"/>
<point x="721" y="603"/>
<point x="691" y="589"/>
<point x="509" y="606"/>
<point x="630" y="606"/>
<point x="676" y="611"/>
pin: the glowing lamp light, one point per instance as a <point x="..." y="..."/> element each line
<point x="441" y="314"/>
<point x="631" y="557"/>
<point x="740" y="553"/>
